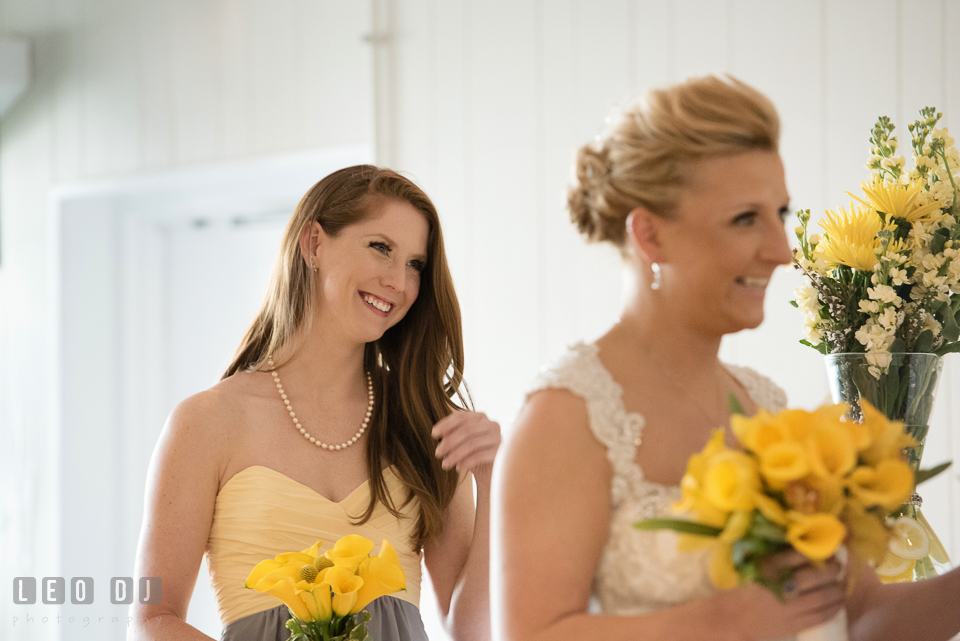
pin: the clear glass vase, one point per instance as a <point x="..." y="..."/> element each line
<point x="904" y="393"/>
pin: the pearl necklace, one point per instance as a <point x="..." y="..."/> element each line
<point x="306" y="435"/>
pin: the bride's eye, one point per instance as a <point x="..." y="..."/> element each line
<point x="381" y="247"/>
<point x="745" y="219"/>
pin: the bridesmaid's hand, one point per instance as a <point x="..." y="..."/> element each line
<point x="468" y="442"/>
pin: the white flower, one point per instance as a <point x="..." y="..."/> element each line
<point x="898" y="276"/>
<point x="931" y="323"/>
<point x="879" y="359"/>
<point x="884" y="294"/>
<point x="869" y="306"/>
<point x="888" y="318"/>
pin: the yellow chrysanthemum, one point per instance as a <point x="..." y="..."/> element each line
<point x="850" y="238"/>
<point x="898" y="201"/>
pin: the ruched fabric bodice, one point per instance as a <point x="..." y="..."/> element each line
<point x="261" y="513"/>
<point x="640" y="571"/>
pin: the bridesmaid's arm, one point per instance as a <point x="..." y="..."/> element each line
<point x="459" y="559"/>
<point x="927" y="610"/>
<point x="182" y="484"/>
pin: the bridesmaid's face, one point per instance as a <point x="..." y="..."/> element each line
<point x="369" y="274"/>
<point x="726" y="239"/>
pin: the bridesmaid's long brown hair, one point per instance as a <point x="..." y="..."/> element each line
<point x="416" y="366"/>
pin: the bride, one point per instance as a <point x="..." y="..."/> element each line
<point x="689" y="185"/>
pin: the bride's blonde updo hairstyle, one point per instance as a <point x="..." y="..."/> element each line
<point x="643" y="160"/>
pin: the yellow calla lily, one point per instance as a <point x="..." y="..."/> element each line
<point x="770" y="508"/>
<point x="344" y="585"/>
<point x="381" y="574"/>
<point x="887" y="438"/>
<point x="830" y="451"/>
<point x="722" y="572"/>
<point x="261" y="570"/>
<point x="816" y="536"/>
<point x="868" y="535"/>
<point x="349" y="551"/>
<point x="731" y="481"/>
<point x="283" y="589"/>
<point x="319" y="601"/>
<point x="888" y="484"/>
<point x="783" y="462"/>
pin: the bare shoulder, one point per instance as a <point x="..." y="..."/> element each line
<point x="553" y="428"/>
<point x="553" y="409"/>
<point x="210" y="423"/>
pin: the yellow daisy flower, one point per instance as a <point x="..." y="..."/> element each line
<point x="898" y="201"/>
<point x="850" y="238"/>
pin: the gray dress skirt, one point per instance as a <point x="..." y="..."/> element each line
<point x="391" y="619"/>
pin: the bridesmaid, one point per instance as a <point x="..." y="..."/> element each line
<point x="341" y="413"/>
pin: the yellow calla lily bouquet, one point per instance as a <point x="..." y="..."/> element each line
<point x="327" y="592"/>
<point x="807" y="480"/>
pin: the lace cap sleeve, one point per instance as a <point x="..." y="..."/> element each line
<point x="580" y="371"/>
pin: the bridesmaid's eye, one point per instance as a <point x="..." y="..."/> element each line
<point x="381" y="247"/>
<point x="745" y="219"/>
<point x="418" y="265"/>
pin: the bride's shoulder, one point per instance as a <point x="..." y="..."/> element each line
<point x="761" y="388"/>
<point x="577" y="370"/>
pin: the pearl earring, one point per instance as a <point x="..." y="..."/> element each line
<point x="311" y="264"/>
<point x="657" y="280"/>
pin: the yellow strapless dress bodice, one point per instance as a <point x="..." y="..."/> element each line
<point x="260" y="513"/>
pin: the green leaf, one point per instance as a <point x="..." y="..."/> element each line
<point x="794" y="303"/>
<point x="897" y="345"/>
<point x="948" y="348"/>
<point x="940" y="238"/>
<point x="822" y="348"/>
<point x="734" y="404"/>
<point x="926" y="475"/>
<point x="924" y="341"/>
<point x="678" y="525"/>
<point x="951" y="331"/>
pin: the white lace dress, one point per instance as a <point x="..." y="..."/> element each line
<point x="640" y="571"/>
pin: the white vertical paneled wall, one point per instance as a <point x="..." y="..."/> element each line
<point x="493" y="98"/>
<point x="123" y="87"/>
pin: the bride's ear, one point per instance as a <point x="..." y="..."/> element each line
<point x="644" y="235"/>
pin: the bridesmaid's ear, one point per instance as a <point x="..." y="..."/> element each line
<point x="644" y="235"/>
<point x="311" y="238"/>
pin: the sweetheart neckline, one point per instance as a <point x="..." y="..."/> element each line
<point x="364" y="484"/>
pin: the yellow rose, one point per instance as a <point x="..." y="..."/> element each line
<point x="731" y="481"/>
<point x="816" y="536"/>
<point x="783" y="462"/>
<point x="888" y="484"/>
<point x="381" y="575"/>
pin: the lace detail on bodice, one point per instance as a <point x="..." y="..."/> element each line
<point x="640" y="571"/>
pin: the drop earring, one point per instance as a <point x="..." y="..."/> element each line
<point x="312" y="267"/>
<point x="657" y="280"/>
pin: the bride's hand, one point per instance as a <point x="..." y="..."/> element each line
<point x="814" y="595"/>
<point x="468" y="442"/>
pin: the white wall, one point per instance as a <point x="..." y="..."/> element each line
<point x="123" y="87"/>
<point x="492" y="99"/>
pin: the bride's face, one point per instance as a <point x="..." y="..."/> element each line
<point x="726" y="239"/>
